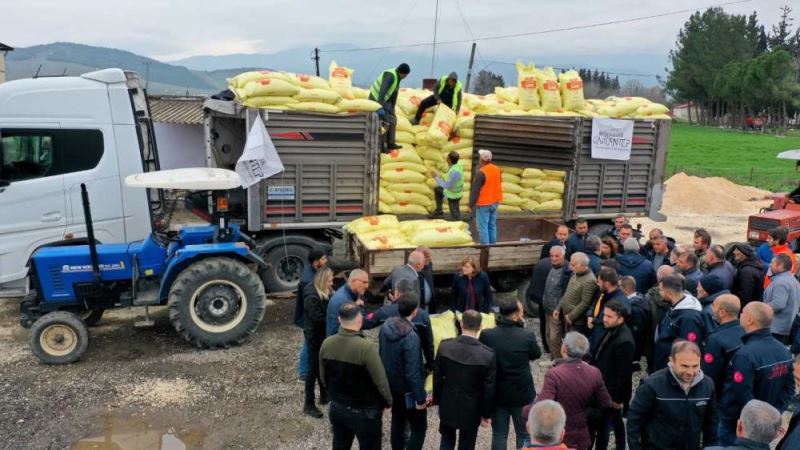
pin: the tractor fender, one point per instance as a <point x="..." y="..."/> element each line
<point x="192" y="253"/>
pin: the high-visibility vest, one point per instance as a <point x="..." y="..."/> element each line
<point x="456" y="89"/>
<point x="492" y="190"/>
<point x="376" y="86"/>
<point x="457" y="190"/>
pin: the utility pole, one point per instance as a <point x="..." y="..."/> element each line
<point x="435" y="27"/>
<point x="316" y="59"/>
<point x="469" y="68"/>
<point x="147" y="74"/>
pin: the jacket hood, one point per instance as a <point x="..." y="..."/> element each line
<point x="689" y="302"/>
<point x="697" y="378"/>
<point x="754" y="262"/>
<point x="710" y="299"/>
<point x="397" y="328"/>
<point x="630" y="259"/>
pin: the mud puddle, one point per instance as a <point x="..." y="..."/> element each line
<point x="138" y="433"/>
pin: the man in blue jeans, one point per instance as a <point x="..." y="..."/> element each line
<point x="485" y="196"/>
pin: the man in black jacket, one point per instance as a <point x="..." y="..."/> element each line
<point x="352" y="371"/>
<point x="316" y="259"/>
<point x="674" y="407"/>
<point x="533" y="299"/>
<point x="401" y="355"/>
<point x="559" y="240"/>
<point x="722" y="342"/>
<point x="748" y="283"/>
<point x="515" y="348"/>
<point x="613" y="357"/>
<point x="683" y="321"/>
<point x="464" y="385"/>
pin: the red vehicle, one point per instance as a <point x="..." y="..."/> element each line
<point x="784" y="212"/>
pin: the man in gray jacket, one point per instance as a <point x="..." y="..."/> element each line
<point x="409" y="271"/>
<point x="553" y="291"/>
<point x="782" y="295"/>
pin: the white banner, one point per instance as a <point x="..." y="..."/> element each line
<point x="259" y="160"/>
<point x="612" y="138"/>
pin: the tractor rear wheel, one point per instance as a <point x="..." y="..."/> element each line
<point x="59" y="337"/>
<point x="217" y="302"/>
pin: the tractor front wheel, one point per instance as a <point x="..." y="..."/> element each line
<point x="217" y="302"/>
<point x="59" y="337"/>
<point x="91" y="316"/>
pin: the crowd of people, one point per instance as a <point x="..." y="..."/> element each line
<point x="713" y="334"/>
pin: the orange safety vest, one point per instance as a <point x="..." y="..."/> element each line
<point x="492" y="190"/>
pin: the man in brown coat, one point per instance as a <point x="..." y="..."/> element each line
<point x="575" y="385"/>
<point x="579" y="294"/>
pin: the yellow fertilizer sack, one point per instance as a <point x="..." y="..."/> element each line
<point x="383" y="239"/>
<point x="511" y="188"/>
<point x="404" y="137"/>
<point x="442" y="125"/>
<point x="384" y="208"/>
<point x="359" y="93"/>
<point x="508" y="208"/>
<point x="318" y="96"/>
<point x="402" y="176"/>
<point x="243" y="79"/>
<point x="403" y="124"/>
<point x="529" y="205"/>
<point x="457" y="143"/>
<point x="267" y="102"/>
<point x="548" y="90"/>
<point x="372" y="223"/>
<point x="552" y="186"/>
<point x="550" y="205"/>
<point x="511" y="199"/>
<point x="466" y="133"/>
<point x="358" y="105"/>
<point x="386" y="196"/>
<point x="399" y="189"/>
<point x="421" y="225"/>
<point x="405" y="209"/>
<point x="465" y="122"/>
<point x="509" y="177"/>
<point x="311" y="81"/>
<point x="441" y="237"/>
<point x="527" y="87"/>
<point x="341" y="80"/>
<point x="555" y="174"/>
<point x="432" y="155"/>
<point x="270" y="87"/>
<point x="527" y="192"/>
<point x="405" y="154"/>
<point x="510" y="94"/>
<point x="314" y="107"/>
<point x="571" y="87"/>
<point x="542" y="196"/>
<point x="407" y="106"/>
<point x="415" y="167"/>
<point x="512" y="170"/>
<point x="532" y="173"/>
<point x="531" y="182"/>
<point x="443" y="327"/>
<point x="652" y="109"/>
<point x="488" y="320"/>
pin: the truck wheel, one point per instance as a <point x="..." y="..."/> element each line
<point x="600" y="229"/>
<point x="286" y="266"/>
<point x="216" y="302"/>
<point x="506" y="281"/>
<point x="91" y="316"/>
<point x="522" y="290"/>
<point x="59" y="337"/>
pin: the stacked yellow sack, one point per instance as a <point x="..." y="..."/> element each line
<point x="571" y="88"/>
<point x="442" y="126"/>
<point x="405" y="176"/>
<point x="384" y="239"/>
<point x="465" y="123"/>
<point x="512" y="190"/>
<point x="527" y="87"/>
<point x="549" y="193"/>
<point x="372" y="223"/>
<point x="549" y="95"/>
<point x="265" y="88"/>
<point x="341" y="80"/>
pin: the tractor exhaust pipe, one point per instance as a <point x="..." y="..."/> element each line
<point x="87" y="217"/>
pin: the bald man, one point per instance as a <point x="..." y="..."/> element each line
<point x="760" y="369"/>
<point x="409" y="271"/>
<point x="357" y="284"/>
<point x="722" y="342"/>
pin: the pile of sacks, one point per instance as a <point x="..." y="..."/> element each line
<point x="531" y="189"/>
<point x="385" y="232"/>
<point x="300" y="92"/>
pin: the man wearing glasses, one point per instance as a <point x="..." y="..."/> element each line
<point x="356" y="286"/>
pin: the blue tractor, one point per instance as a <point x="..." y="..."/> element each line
<point x="207" y="275"/>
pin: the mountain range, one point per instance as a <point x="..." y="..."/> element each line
<point x="207" y="74"/>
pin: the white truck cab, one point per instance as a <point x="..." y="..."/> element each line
<point x="56" y="133"/>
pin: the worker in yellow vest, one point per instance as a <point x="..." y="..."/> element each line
<point x="446" y="91"/>
<point x="384" y="91"/>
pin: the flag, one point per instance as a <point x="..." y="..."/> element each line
<point x="259" y="159"/>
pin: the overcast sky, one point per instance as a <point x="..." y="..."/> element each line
<point x="174" y="29"/>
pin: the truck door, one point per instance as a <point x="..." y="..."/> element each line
<point x="32" y="200"/>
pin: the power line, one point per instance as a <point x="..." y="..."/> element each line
<point x="533" y="33"/>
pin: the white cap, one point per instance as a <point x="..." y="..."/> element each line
<point x="485" y="155"/>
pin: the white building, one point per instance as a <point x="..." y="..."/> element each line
<point x="4" y="49"/>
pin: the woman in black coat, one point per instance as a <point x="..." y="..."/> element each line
<point x="748" y="283"/>
<point x="471" y="289"/>
<point x="315" y="307"/>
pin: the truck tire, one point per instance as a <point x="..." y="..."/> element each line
<point x="600" y="229"/>
<point x="59" y="337"/>
<point x="91" y="316"/>
<point x="287" y="263"/>
<point x="216" y="302"/>
<point x="506" y="280"/>
<point x="522" y="290"/>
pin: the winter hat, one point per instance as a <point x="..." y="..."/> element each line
<point x="404" y="68"/>
<point x="453" y="76"/>
<point x="711" y="284"/>
<point x="630" y="245"/>
<point x="747" y="250"/>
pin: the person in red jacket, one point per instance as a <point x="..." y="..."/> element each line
<point x="575" y="384"/>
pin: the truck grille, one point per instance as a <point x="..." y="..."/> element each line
<point x="763" y="224"/>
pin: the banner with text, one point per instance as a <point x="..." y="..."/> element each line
<point x="612" y="139"/>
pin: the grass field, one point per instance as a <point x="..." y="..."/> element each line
<point x="742" y="157"/>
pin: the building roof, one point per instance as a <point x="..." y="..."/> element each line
<point x="5" y="48"/>
<point x="182" y="110"/>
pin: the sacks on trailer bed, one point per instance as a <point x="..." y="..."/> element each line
<point x="372" y="223"/>
<point x="443" y="236"/>
<point x="384" y="239"/>
<point x="314" y="107"/>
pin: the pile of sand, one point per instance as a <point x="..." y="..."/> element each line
<point x="160" y="392"/>
<point x="690" y="195"/>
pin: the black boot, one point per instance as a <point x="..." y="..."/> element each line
<point x="313" y="411"/>
<point x="391" y="147"/>
<point x="323" y="398"/>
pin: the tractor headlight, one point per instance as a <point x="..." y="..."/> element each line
<point x="753" y="235"/>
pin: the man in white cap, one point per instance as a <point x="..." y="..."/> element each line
<point x="485" y="196"/>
